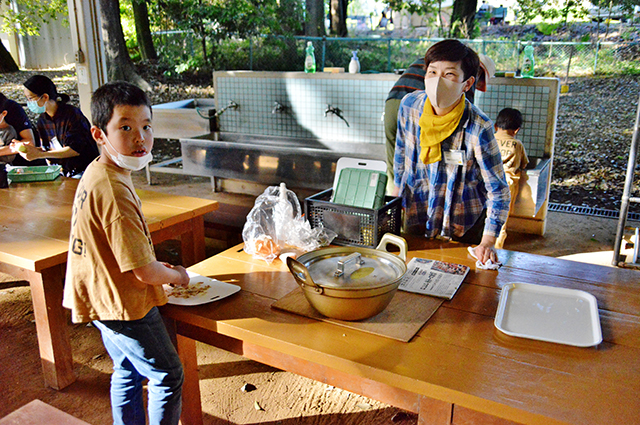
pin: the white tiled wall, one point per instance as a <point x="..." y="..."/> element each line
<point x="360" y="98"/>
<point x="535" y="99"/>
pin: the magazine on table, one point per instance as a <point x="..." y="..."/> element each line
<point x="432" y="277"/>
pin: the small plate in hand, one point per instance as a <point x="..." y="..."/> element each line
<point x="201" y="290"/>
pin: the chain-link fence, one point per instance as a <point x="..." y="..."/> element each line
<point x="277" y="53"/>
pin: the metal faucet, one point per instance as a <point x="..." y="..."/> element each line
<point x="232" y="105"/>
<point x="278" y="107"/>
<point x="336" y="111"/>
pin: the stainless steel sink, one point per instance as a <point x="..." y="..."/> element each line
<point x="306" y="163"/>
<point x="184" y="118"/>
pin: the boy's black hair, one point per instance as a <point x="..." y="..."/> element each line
<point x="452" y="50"/>
<point x="509" y="119"/>
<point x="3" y="100"/>
<point x="116" y="93"/>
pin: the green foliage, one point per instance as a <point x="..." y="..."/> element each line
<point x="550" y="10"/>
<point x="212" y="21"/>
<point x="420" y="7"/>
<point x="547" y="28"/>
<point x="29" y="15"/>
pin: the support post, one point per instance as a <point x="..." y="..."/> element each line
<point x="88" y="46"/>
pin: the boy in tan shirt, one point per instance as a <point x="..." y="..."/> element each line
<point x="514" y="157"/>
<point x="113" y="277"/>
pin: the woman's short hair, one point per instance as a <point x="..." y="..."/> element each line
<point x="452" y="50"/>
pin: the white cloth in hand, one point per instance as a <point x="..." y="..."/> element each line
<point x="489" y="265"/>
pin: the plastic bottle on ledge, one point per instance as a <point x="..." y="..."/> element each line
<point x="354" y="65"/>
<point x="310" y="59"/>
<point x="529" y="62"/>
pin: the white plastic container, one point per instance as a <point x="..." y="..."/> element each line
<point x="354" y="65"/>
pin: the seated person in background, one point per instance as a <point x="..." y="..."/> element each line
<point x="64" y="131"/>
<point x="514" y="157"/>
<point x="412" y="79"/>
<point x="7" y="135"/>
<point x="113" y="277"/>
<point x="18" y="119"/>
<point x="447" y="165"/>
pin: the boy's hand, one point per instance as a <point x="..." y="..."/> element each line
<point x="182" y="279"/>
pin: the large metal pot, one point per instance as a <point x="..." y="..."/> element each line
<point x="350" y="283"/>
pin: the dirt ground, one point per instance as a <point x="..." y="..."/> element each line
<point x="283" y="398"/>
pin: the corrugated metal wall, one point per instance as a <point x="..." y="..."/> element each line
<point x="53" y="48"/>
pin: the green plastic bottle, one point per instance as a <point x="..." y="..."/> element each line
<point x="310" y="59"/>
<point x="529" y="62"/>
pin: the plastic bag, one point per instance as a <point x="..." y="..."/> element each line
<point x="276" y="225"/>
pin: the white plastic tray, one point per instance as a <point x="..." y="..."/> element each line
<point x="546" y="313"/>
<point x="216" y="291"/>
<point x="367" y="164"/>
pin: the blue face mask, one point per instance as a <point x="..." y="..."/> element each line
<point x="34" y="107"/>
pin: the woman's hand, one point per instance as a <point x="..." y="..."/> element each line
<point x="27" y="150"/>
<point x="486" y="250"/>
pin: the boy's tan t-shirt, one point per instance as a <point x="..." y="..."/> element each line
<point x="109" y="238"/>
<point x="514" y="157"/>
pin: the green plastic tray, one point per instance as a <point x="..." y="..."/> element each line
<point x="33" y="174"/>
<point x="362" y="188"/>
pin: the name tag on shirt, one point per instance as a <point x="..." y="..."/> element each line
<point x="55" y="144"/>
<point x="454" y="157"/>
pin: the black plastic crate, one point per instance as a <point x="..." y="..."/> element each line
<point x="355" y="226"/>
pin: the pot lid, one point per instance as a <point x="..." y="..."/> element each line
<point x="353" y="268"/>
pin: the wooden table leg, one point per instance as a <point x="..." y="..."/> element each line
<point x="192" y="242"/>
<point x="51" y="327"/>
<point x="434" y="412"/>
<point x="191" y="402"/>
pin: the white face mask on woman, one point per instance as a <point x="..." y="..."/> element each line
<point x="442" y="92"/>
<point x="133" y="163"/>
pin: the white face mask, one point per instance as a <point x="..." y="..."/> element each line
<point x="442" y="92"/>
<point x="133" y="163"/>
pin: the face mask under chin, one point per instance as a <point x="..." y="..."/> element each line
<point x="132" y="163"/>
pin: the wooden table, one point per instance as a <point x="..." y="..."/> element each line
<point x="35" y="220"/>
<point x="459" y="369"/>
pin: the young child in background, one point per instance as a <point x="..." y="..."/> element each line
<point x="113" y="277"/>
<point x="514" y="157"/>
<point x="7" y="134"/>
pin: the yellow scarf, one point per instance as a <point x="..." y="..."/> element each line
<point x="434" y="129"/>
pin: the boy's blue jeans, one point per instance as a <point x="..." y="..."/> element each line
<point x="142" y="349"/>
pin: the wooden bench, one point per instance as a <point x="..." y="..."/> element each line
<point x="38" y="413"/>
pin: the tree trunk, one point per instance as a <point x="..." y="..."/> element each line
<point x="314" y="25"/>
<point x="119" y="66"/>
<point x="143" y="31"/>
<point x="339" y="18"/>
<point x="7" y="64"/>
<point x="464" y="12"/>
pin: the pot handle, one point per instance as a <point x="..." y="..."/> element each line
<point x="400" y="242"/>
<point x="301" y="275"/>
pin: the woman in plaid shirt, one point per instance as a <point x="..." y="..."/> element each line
<point x="447" y="164"/>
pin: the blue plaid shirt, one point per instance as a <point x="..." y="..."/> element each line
<point x="450" y="198"/>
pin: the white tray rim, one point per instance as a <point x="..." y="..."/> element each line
<point x="594" y="324"/>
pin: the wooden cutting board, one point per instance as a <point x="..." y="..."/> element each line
<point x="402" y="319"/>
